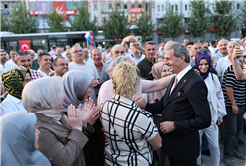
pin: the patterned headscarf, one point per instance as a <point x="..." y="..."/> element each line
<point x="13" y="81"/>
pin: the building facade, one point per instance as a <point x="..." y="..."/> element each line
<point x="183" y="7"/>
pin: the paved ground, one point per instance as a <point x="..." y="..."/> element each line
<point x="206" y="159"/>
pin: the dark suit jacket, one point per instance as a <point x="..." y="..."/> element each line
<point x="188" y="107"/>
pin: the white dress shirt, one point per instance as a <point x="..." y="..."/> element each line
<point x="11" y="104"/>
<point x="44" y="74"/>
<point x="183" y="72"/>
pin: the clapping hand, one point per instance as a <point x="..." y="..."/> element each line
<point x="94" y="115"/>
<point x="86" y="112"/>
<point x="73" y="119"/>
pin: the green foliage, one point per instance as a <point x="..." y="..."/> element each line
<point x="21" y="21"/>
<point x="4" y="23"/>
<point x="199" y="20"/>
<point x="224" y="17"/>
<point x="242" y="14"/>
<point x="145" y="26"/>
<point x="82" y="21"/>
<point x="56" y="22"/>
<point x="171" y="24"/>
<point x="116" y="25"/>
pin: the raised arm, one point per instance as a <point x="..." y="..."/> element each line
<point x="158" y="85"/>
<point x="236" y="67"/>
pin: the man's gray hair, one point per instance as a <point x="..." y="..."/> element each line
<point x="112" y="49"/>
<point x="178" y="50"/>
<point x="114" y="63"/>
<point x="233" y="42"/>
<point x="76" y="45"/>
<point x="194" y="44"/>
<point x="224" y="40"/>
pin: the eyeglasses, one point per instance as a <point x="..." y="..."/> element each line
<point x="203" y="52"/>
<point x="24" y="53"/>
<point x="77" y="51"/>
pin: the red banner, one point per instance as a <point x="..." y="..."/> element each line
<point x="24" y="45"/>
<point x="137" y="10"/>
<point x="61" y="8"/>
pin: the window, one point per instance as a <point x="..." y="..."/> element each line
<point x="185" y="7"/>
<point x="109" y="4"/>
<point x="238" y="6"/>
<point x="102" y="6"/>
<point x="139" y="4"/>
<point x="2" y="5"/>
<point x="162" y="7"/>
<point x="176" y="7"/>
<point x="95" y="5"/>
<point x="172" y="7"/>
<point x="125" y="5"/>
<point x="103" y="20"/>
<point x="118" y="4"/>
<point x="158" y="8"/>
<point x="5" y="6"/>
<point x="132" y="5"/>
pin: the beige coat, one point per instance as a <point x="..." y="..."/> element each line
<point x="60" y="144"/>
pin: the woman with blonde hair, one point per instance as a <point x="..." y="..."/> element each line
<point x="131" y="135"/>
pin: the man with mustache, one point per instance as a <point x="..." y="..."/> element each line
<point x="222" y="44"/>
<point x="96" y="55"/>
<point x="44" y="61"/>
<point x="79" y="64"/>
<point x="3" y="58"/>
<point x="60" y="66"/>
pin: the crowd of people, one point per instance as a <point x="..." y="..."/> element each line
<point x="130" y="104"/>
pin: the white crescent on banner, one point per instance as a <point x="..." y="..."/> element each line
<point x="59" y="10"/>
<point x="24" y="45"/>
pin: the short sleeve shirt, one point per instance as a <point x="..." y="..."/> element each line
<point x="125" y="125"/>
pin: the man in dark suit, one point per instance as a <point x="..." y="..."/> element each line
<point x="184" y="108"/>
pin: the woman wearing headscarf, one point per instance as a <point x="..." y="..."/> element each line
<point x="216" y="102"/>
<point x="130" y="132"/>
<point x="14" y="81"/>
<point x="62" y="138"/>
<point x="77" y="86"/>
<point x="19" y="140"/>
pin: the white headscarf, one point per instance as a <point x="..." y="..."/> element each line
<point x="43" y="96"/>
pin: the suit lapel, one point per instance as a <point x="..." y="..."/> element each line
<point x="166" y="96"/>
<point x="184" y="80"/>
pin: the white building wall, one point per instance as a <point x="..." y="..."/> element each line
<point x="184" y="8"/>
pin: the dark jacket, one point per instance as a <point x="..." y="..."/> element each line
<point x="188" y="107"/>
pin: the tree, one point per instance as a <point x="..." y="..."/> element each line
<point x="171" y="24"/>
<point x="56" y="22"/>
<point x="199" y="20"/>
<point x="4" y="23"/>
<point x="82" y="21"/>
<point x="116" y="25"/>
<point x="21" y="21"/>
<point x="242" y="14"/>
<point x="224" y="17"/>
<point x="145" y="26"/>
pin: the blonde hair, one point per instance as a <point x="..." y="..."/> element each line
<point x="125" y="79"/>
